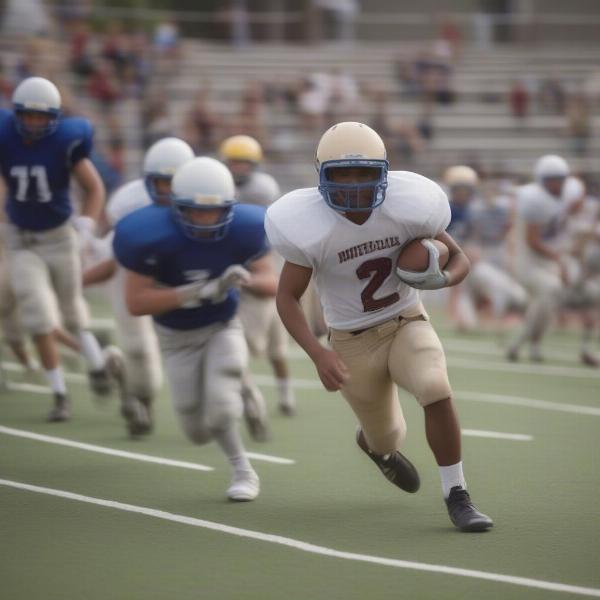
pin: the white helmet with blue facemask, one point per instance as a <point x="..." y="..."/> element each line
<point x="161" y="161"/>
<point x="36" y="95"/>
<point x="206" y="185"/>
<point x="353" y="145"/>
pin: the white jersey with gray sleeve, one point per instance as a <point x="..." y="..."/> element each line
<point x="353" y="265"/>
<point x="260" y="189"/>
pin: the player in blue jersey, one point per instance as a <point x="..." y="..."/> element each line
<point x="185" y="266"/>
<point x="39" y="152"/>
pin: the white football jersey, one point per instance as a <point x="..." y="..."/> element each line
<point x="126" y="199"/>
<point x="536" y="205"/>
<point x="260" y="189"/>
<point x="354" y="265"/>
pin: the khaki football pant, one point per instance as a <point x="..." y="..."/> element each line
<point x="404" y="351"/>
<point x="265" y="333"/>
<point x="9" y="313"/>
<point x="204" y="369"/>
<point x="44" y="270"/>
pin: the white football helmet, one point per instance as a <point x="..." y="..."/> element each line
<point x="36" y="94"/>
<point x="161" y="161"/>
<point x="551" y="166"/>
<point x="351" y="144"/>
<point x="461" y="175"/>
<point x="203" y="184"/>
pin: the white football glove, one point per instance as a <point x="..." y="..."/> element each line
<point x="431" y="279"/>
<point x="213" y="290"/>
<point x="85" y="226"/>
<point x="235" y="276"/>
<point x="191" y="295"/>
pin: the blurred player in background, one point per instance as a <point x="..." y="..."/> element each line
<point x="543" y="209"/>
<point x="184" y="267"/>
<point x="142" y="370"/>
<point x="480" y="223"/>
<point x="39" y="152"/>
<point x="265" y="333"/>
<point x="348" y="232"/>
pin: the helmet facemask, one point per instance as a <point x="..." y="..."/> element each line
<point x="36" y="132"/>
<point x="363" y="195"/>
<point x="187" y="212"/>
<point x="158" y="197"/>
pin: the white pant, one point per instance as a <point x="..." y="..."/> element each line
<point x="45" y="270"/>
<point x="204" y="369"/>
<point x="137" y="338"/>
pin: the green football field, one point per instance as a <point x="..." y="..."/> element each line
<point x="81" y="520"/>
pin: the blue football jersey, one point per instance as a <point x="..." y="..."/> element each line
<point x="37" y="174"/>
<point x="149" y="241"/>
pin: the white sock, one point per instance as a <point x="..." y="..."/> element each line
<point x="56" y="380"/>
<point x="90" y="348"/>
<point x="233" y="447"/>
<point x="452" y="476"/>
<point x="286" y="395"/>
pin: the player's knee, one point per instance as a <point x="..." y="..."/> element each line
<point x="196" y="431"/>
<point x="433" y="387"/>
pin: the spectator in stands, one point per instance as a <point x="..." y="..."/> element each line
<point x="251" y="119"/>
<point x="166" y="39"/>
<point x="579" y="124"/>
<point x="519" y="100"/>
<point x="201" y="125"/>
<point x="80" y="57"/>
<point x="6" y="89"/>
<point x="552" y="96"/>
<point x="103" y="85"/>
<point x="115" y="49"/>
<point x="156" y="122"/>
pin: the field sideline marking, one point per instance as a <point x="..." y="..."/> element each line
<point x="305" y="546"/>
<point x="133" y="455"/>
<point x="50" y="439"/>
<point x="580" y="409"/>
<point x="503" y="366"/>
<point x="312" y="384"/>
<point x="518" y="437"/>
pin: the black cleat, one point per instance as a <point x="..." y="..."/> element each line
<point x="100" y="382"/>
<point x="61" y="410"/>
<point x="137" y="416"/>
<point x="395" y="467"/>
<point x="463" y="514"/>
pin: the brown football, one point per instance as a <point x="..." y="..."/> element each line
<point x="415" y="257"/>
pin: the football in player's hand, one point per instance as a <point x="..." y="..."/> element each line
<point x="414" y="256"/>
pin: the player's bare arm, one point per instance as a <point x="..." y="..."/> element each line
<point x="88" y="178"/>
<point x="100" y="273"/>
<point x="292" y="285"/>
<point x="143" y="297"/>
<point x="458" y="266"/>
<point x="263" y="280"/>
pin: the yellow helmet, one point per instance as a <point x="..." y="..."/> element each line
<point x="461" y="175"/>
<point x="241" y="147"/>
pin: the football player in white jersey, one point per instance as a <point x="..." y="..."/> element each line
<point x="142" y="369"/>
<point x="264" y="330"/>
<point x="348" y="232"/>
<point x="480" y="226"/>
<point x="543" y="208"/>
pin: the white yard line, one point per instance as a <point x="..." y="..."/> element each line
<point x="50" y="439"/>
<point x="486" y="349"/>
<point x="519" y="369"/>
<point x="306" y="546"/>
<point x="313" y="384"/>
<point x="517" y="437"/>
<point x="278" y="460"/>
<point x="529" y="403"/>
